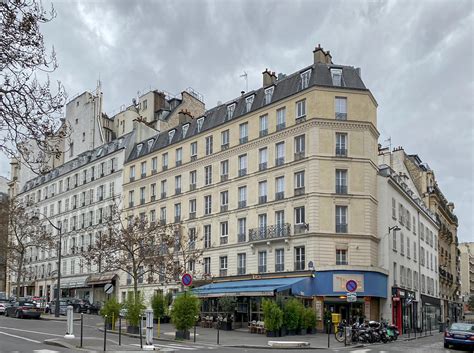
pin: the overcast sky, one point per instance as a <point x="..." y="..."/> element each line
<point x="416" y="58"/>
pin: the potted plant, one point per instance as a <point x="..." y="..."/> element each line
<point x="309" y="321"/>
<point x="134" y="311"/>
<point x="183" y="314"/>
<point x="227" y="305"/>
<point x="158" y="305"/>
<point x="273" y="317"/>
<point x="292" y="314"/>
<point x="111" y="309"/>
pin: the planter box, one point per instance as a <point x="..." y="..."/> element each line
<point x="301" y="331"/>
<point x="311" y="331"/>
<point x="133" y="329"/>
<point x="291" y="332"/>
<point x="182" y="335"/>
<point x="283" y="332"/>
<point x="273" y="334"/>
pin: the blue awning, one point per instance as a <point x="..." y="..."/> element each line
<point x="300" y="286"/>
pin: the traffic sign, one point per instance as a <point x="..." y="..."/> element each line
<point x="108" y="288"/>
<point x="351" y="297"/>
<point x="351" y="285"/>
<point x="187" y="279"/>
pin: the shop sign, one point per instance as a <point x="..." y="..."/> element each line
<point x="351" y="297"/>
<point x="339" y="282"/>
<point x="367" y="308"/>
<point x="319" y="309"/>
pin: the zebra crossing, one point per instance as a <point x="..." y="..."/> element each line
<point x="183" y="347"/>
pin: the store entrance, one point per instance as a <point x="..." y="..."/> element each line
<point x="350" y="312"/>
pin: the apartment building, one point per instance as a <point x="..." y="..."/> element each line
<point x="4" y="206"/>
<point x="281" y="186"/>
<point x="77" y="197"/>
<point x="467" y="270"/>
<point x="409" y="251"/>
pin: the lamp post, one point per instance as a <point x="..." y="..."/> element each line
<point x="59" y="229"/>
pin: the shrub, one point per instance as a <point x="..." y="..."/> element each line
<point x="309" y="318"/>
<point x="111" y="308"/>
<point x="184" y="312"/>
<point x="273" y="315"/>
<point x="227" y="305"/>
<point x="293" y="314"/>
<point x="135" y="307"/>
<point x="158" y="305"/>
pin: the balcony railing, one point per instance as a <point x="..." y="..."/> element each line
<point x="243" y="140"/>
<point x="223" y="273"/>
<point x="279" y="161"/>
<point x="242" y="204"/>
<point x="165" y="167"/>
<point x="132" y="178"/>
<point x="224" y="208"/>
<point x="262" y="199"/>
<point x="300" y="119"/>
<point x="163" y="195"/>
<point x="341" y="152"/>
<point x="270" y="232"/>
<point x="224" y="239"/>
<point x="130" y="205"/>
<point x="299" y="228"/>
<point x="179" y="162"/>
<point x="241" y="238"/>
<point x="152" y="198"/>
<point x="262" y="166"/>
<point x="241" y="270"/>
<point x="192" y="187"/>
<point x="280" y="126"/>
<point x="341" y="189"/>
<point x="280" y="195"/>
<point x="299" y="191"/>
<point x="242" y="172"/>
<point x="263" y="132"/>
<point x="177" y="219"/>
<point x="341" y="116"/>
<point x="299" y="265"/>
<point x="262" y="268"/>
<point x="224" y="146"/>
<point x="341" y="228"/>
<point x="192" y="215"/>
<point x="143" y="175"/>
<point x="177" y="191"/>
<point x="142" y="201"/>
<point x="224" y="177"/>
<point x="299" y="155"/>
<point x="279" y="267"/>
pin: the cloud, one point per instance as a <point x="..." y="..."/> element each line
<point x="416" y="57"/>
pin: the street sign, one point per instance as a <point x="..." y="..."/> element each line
<point x="351" y="285"/>
<point x="351" y="297"/>
<point x="108" y="288"/>
<point x="187" y="279"/>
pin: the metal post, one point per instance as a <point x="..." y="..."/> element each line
<point x="159" y="325"/>
<point x="58" y="291"/>
<point x="430" y="326"/>
<point x="345" y="336"/>
<point x="329" y="331"/>
<point x="194" y="331"/>
<point x="218" y="327"/>
<point x="120" y="330"/>
<point x="149" y="330"/>
<point x="105" y="333"/>
<point x="82" y="327"/>
<point x="70" y="323"/>
<point x="140" y="328"/>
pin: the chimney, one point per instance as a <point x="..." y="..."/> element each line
<point x="328" y="57"/>
<point x="269" y="78"/>
<point x="319" y="55"/>
<point x="184" y="116"/>
<point x="450" y="207"/>
<point x="242" y="93"/>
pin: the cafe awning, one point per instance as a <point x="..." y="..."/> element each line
<point x="299" y="286"/>
<point x="74" y="282"/>
<point x="101" y="278"/>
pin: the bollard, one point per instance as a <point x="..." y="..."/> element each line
<point x="218" y="327"/>
<point x="120" y="330"/>
<point x="70" y="323"/>
<point x="430" y="326"/>
<point x="194" y="332"/>
<point x="105" y="333"/>
<point x="329" y="332"/>
<point x="345" y="336"/>
<point x="149" y="330"/>
<point x="141" y="334"/>
<point x="158" y="328"/>
<point x="82" y="327"/>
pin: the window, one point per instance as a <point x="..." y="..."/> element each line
<point x="170" y="136"/>
<point x="394" y="240"/>
<point x="301" y="109"/>
<point x="207" y="204"/>
<point x="279" y="260"/>
<point x="299" y="258"/>
<point x="262" y="192"/>
<point x="341" y="144"/>
<point x="163" y="215"/>
<point x="207" y="265"/>
<point x="341" y="257"/>
<point x="208" y="175"/>
<point x="241" y="229"/>
<point x="263" y="125"/>
<point x="242" y="165"/>
<point x="230" y="110"/>
<point x="280" y="188"/>
<point x="299" y="147"/>
<point x="184" y="130"/>
<point x="395" y="274"/>
<point x="262" y="158"/>
<point x="163" y="188"/>
<point x="207" y="236"/>
<point x="152" y="216"/>
<point x="341" y="181"/>
<point x="177" y="184"/>
<point x="402" y="244"/>
<point x="224" y="232"/>
<point x="223" y="266"/>
<point x="177" y="212"/>
<point x="132" y="173"/>
<point x="224" y="170"/>
<point x="179" y="156"/>
<point x="224" y="200"/>
<point x="242" y="196"/>
<point x="243" y="132"/>
<point x="241" y="263"/>
<point x="299" y="183"/>
<point x="164" y="159"/>
<point x="394" y="208"/>
<point x="192" y="208"/>
<point x="262" y="225"/>
<point x="143" y="169"/>
<point x="145" y="104"/>
<point x="268" y="95"/>
<point x="336" y="75"/>
<point x="208" y="145"/>
<point x="281" y="119"/>
<point x="142" y="195"/>
<point x="340" y="107"/>
<point x="248" y="103"/>
<point x="225" y="139"/>
<point x="262" y="261"/>
<point x="200" y="122"/>
<point x="193" y="148"/>
<point x="299" y="215"/>
<point x="414" y="251"/>
<point x="154" y="164"/>
<point x="280" y="153"/>
<point x="131" y="196"/>
<point x="192" y="179"/>
<point x="305" y="76"/>
<point x="402" y="275"/>
<point x="280" y="223"/>
<point x="341" y="219"/>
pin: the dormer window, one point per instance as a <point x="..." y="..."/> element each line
<point x="230" y="110"/>
<point x="150" y="144"/>
<point x="248" y="103"/>
<point x="99" y="152"/>
<point x="184" y="130"/>
<point x="336" y="75"/>
<point x="268" y="95"/>
<point x="305" y="76"/>
<point x="139" y="148"/>
<point x="170" y="135"/>
<point x="200" y="121"/>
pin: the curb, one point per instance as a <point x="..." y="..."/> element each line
<point x="58" y="343"/>
<point x="268" y="347"/>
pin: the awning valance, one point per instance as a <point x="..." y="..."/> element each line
<point x="74" y="282"/>
<point x="301" y="286"/>
<point x="101" y="278"/>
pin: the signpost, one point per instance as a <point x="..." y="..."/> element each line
<point x="108" y="288"/>
<point x="187" y="279"/>
<point x="351" y="285"/>
<point x="351" y="297"/>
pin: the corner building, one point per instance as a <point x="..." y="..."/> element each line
<point x="280" y="186"/>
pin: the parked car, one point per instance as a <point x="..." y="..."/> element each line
<point x="460" y="335"/>
<point x="4" y="303"/>
<point x="84" y="306"/>
<point x="23" y="309"/>
<point x="63" y="304"/>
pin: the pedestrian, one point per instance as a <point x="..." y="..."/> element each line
<point x="447" y="322"/>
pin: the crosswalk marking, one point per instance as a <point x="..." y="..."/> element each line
<point x="177" y="346"/>
<point x="19" y="337"/>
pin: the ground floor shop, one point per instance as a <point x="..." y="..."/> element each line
<point x="430" y="312"/>
<point x="404" y="309"/>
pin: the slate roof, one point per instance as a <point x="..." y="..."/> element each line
<point x="284" y="87"/>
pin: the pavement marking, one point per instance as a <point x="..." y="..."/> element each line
<point x="171" y="345"/>
<point x="19" y="337"/>
<point x="44" y="351"/>
<point x="40" y="333"/>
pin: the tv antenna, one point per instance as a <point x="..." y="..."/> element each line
<point x="245" y="76"/>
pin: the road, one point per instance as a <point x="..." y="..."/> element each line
<point x="28" y="335"/>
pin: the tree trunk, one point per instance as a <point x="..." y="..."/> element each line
<point x="135" y="287"/>
<point x="18" y="277"/>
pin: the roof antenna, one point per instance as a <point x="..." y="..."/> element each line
<point x="245" y="76"/>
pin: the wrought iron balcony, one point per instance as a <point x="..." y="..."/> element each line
<point x="262" y="199"/>
<point x="224" y="146"/>
<point x="241" y="270"/>
<point x="192" y="215"/>
<point x="223" y="273"/>
<point x="300" y="228"/>
<point x="280" y="126"/>
<point x="299" y="155"/>
<point x="165" y="167"/>
<point x="299" y="265"/>
<point x="341" y="189"/>
<point x="224" y="239"/>
<point x="299" y="191"/>
<point x="192" y="187"/>
<point x="270" y="232"/>
<point x="262" y="166"/>
<point x="152" y="198"/>
<point x="242" y="172"/>
<point x="300" y="119"/>
<point x="341" y="228"/>
<point x="179" y="162"/>
<point x="194" y="158"/>
<point x="341" y="152"/>
<point x="279" y="161"/>
<point x="341" y="116"/>
<point x="241" y="238"/>
<point x="143" y="175"/>
<point x="163" y="195"/>
<point x="243" y="140"/>
<point x="224" y="177"/>
<point x="242" y="204"/>
<point x="142" y="201"/>
<point x="263" y="132"/>
<point x="280" y="195"/>
<point x="279" y="267"/>
<point x="224" y="208"/>
<point x="177" y="191"/>
<point x="177" y="219"/>
<point x="262" y="268"/>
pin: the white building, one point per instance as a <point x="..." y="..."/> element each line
<point x="408" y="250"/>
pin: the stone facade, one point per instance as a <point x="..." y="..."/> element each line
<point x="467" y="270"/>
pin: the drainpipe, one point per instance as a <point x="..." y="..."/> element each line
<point x="419" y="271"/>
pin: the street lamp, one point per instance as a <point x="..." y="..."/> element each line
<point x="59" y="229"/>
<point x="394" y="228"/>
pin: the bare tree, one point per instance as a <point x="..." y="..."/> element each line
<point x="143" y="249"/>
<point x="27" y="233"/>
<point x="29" y="109"/>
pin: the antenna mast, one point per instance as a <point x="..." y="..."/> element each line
<point x="245" y="76"/>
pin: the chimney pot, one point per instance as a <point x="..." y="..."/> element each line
<point x="242" y="92"/>
<point x="268" y="78"/>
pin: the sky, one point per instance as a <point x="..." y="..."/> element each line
<point x="416" y="57"/>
